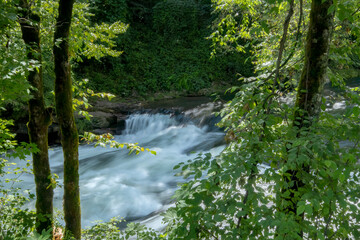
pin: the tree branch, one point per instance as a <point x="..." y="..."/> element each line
<point x="283" y="41"/>
<point x="357" y="10"/>
<point x="298" y="34"/>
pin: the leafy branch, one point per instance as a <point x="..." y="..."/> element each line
<point x="106" y="139"/>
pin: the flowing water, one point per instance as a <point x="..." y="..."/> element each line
<point x="136" y="187"/>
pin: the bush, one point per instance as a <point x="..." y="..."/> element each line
<point x="169" y="51"/>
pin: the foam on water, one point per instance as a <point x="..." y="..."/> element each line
<point x="113" y="183"/>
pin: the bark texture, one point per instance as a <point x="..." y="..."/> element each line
<point x="64" y="111"/>
<point x="311" y="83"/>
<point x="39" y="119"/>
<point x="313" y="74"/>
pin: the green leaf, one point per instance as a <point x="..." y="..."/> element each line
<point x="331" y="9"/>
<point x="330" y="164"/>
<point x="356" y="111"/>
<point x="323" y="107"/>
<point x="300" y="209"/>
<point x="309" y="210"/>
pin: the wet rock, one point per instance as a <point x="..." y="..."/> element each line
<point x="124" y="108"/>
<point x="104" y="131"/>
<point x="54" y="134"/>
<point x="21" y="132"/>
<point x="120" y="126"/>
<point x="103" y="120"/>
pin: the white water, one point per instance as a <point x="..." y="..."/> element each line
<point x="113" y="183"/>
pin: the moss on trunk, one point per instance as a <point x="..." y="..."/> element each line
<point x="311" y="84"/>
<point x="64" y="111"/>
<point x="313" y="75"/>
<point x="39" y="120"/>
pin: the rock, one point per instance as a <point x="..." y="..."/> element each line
<point x="104" y="130"/>
<point x="21" y="131"/>
<point x="54" y="134"/>
<point x="110" y="116"/>
<point x="120" y="126"/>
<point x="103" y="120"/>
<point x="124" y="108"/>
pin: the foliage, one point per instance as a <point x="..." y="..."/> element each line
<point x="172" y="17"/>
<point x="95" y="41"/>
<point x="16" y="221"/>
<point x="110" y="230"/>
<point x="243" y="193"/>
<point x="345" y="49"/>
<point x="81" y="97"/>
<point x="100" y="230"/>
<point x="241" y="196"/>
<point x="261" y="23"/>
<point x="87" y="40"/>
<point x="106" y="140"/>
<point x="109" y="11"/>
<point x="13" y="71"/>
<point x="165" y="48"/>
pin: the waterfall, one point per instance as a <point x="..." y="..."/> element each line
<point x="148" y="124"/>
<point x="114" y="183"/>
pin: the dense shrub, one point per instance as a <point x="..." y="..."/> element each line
<point x="165" y="48"/>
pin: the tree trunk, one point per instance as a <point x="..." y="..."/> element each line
<point x="313" y="75"/>
<point x="64" y="111"/>
<point x="308" y="101"/>
<point x="39" y="119"/>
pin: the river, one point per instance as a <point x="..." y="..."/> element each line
<point x="137" y="187"/>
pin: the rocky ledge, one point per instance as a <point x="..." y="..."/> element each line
<point x="110" y="116"/>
